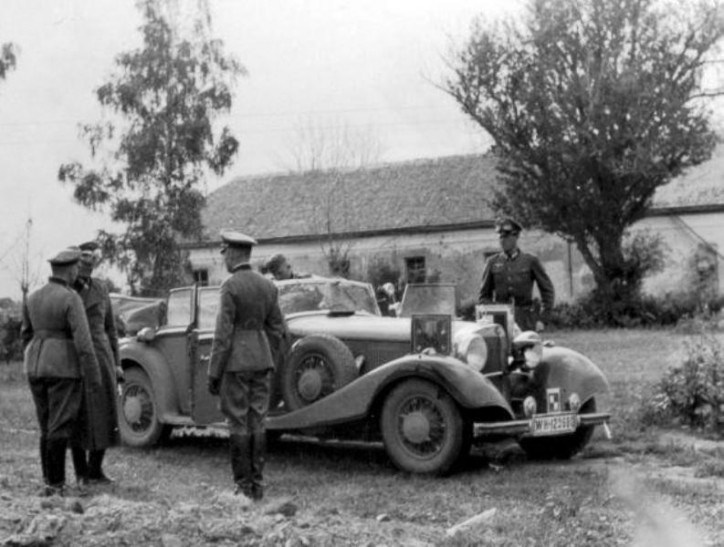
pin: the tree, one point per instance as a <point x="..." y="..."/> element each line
<point x="167" y="94"/>
<point x="592" y="105"/>
<point x="8" y="58"/>
<point x="331" y="147"/>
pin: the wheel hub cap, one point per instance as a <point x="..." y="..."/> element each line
<point x="416" y="427"/>
<point x="132" y="409"/>
<point x="310" y="385"/>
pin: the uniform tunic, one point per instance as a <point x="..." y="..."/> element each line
<point x="249" y="323"/>
<point x="58" y="353"/>
<point x="99" y="424"/>
<point x="509" y="280"/>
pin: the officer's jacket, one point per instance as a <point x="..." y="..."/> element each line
<point x="56" y="335"/>
<point x="248" y="317"/>
<point x="510" y="281"/>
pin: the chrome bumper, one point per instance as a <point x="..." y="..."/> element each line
<point x="524" y="428"/>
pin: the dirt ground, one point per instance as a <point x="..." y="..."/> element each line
<point x="652" y="491"/>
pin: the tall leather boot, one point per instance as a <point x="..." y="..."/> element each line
<point x="44" y="458"/>
<point x="56" y="466"/>
<point x="95" y="467"/>
<point x="80" y="464"/>
<point x="258" y="455"/>
<point x="240" y="452"/>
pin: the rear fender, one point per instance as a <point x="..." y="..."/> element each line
<point x="354" y="401"/>
<point x="570" y="371"/>
<point x="152" y="362"/>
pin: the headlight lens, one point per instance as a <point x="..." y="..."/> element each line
<point x="477" y="353"/>
<point x="533" y="356"/>
<point x="473" y="350"/>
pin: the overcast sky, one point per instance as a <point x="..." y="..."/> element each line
<point x="364" y="64"/>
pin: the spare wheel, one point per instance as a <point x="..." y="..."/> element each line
<point x="317" y="365"/>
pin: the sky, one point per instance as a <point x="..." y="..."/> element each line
<point x="370" y="65"/>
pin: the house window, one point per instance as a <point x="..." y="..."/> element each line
<point x="201" y="277"/>
<point x="415" y="266"/>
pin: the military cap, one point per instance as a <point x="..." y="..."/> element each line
<point x="232" y="238"/>
<point x="508" y="226"/>
<point x="66" y="257"/>
<point x="90" y="250"/>
<point x="89" y="246"/>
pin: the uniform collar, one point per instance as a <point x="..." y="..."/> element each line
<point x="58" y="280"/>
<point x="241" y="266"/>
<point x="513" y="255"/>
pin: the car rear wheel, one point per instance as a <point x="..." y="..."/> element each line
<point x="422" y="428"/>
<point x="138" y="418"/>
<point x="562" y="447"/>
<point x="317" y="366"/>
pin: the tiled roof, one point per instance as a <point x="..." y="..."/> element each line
<point x="435" y="192"/>
<point x="421" y="193"/>
<point x="700" y="185"/>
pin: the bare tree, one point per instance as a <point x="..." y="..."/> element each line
<point x="333" y="147"/>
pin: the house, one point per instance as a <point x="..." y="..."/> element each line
<point x="429" y="220"/>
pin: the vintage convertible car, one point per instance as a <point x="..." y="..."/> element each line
<point x="425" y="384"/>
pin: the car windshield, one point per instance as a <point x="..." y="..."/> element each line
<point x="428" y="299"/>
<point x="336" y="295"/>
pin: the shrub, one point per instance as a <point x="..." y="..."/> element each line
<point x="693" y="392"/>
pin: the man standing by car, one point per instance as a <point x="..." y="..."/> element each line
<point x="99" y="417"/>
<point x="509" y="276"/>
<point x="248" y="324"/>
<point x="58" y="354"/>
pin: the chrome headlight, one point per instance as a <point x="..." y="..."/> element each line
<point x="472" y="349"/>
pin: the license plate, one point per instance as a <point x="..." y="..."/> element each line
<point x="553" y="424"/>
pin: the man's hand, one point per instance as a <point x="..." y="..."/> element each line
<point x="539" y="326"/>
<point x="213" y="385"/>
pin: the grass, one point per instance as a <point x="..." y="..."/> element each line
<point x="351" y="495"/>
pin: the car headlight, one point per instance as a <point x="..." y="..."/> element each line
<point x="473" y="350"/>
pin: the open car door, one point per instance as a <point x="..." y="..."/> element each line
<point x="204" y="406"/>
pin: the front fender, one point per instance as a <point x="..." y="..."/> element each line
<point x="571" y="371"/>
<point x="152" y="362"/>
<point x="470" y="389"/>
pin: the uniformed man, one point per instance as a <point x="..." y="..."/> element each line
<point x="248" y="325"/>
<point x="99" y="416"/>
<point x="278" y="268"/>
<point x="58" y="353"/>
<point x="509" y="276"/>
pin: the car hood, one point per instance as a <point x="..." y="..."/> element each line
<point x="360" y="326"/>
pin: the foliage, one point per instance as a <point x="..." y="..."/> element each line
<point x="11" y="345"/>
<point x="693" y="392"/>
<point x="8" y="58"/>
<point x="168" y="93"/>
<point x="592" y="106"/>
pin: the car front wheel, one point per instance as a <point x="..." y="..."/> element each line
<point x="138" y="417"/>
<point x="422" y="428"/>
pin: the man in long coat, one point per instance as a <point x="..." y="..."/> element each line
<point x="509" y="276"/>
<point x="58" y="354"/>
<point x="99" y="417"/>
<point x="248" y="325"/>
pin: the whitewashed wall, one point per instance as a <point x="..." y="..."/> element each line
<point x="458" y="256"/>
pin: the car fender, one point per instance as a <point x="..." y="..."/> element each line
<point x="355" y="400"/>
<point x="152" y="362"/>
<point x="571" y="371"/>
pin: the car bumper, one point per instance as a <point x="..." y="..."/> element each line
<point x="527" y="428"/>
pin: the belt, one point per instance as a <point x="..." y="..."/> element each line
<point x="44" y="334"/>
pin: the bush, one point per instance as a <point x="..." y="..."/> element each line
<point x="679" y="309"/>
<point x="692" y="393"/>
